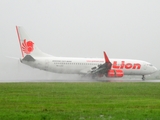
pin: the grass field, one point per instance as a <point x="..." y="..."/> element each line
<point x="80" y="101"/>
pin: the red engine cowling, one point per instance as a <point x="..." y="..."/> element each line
<point x="115" y="73"/>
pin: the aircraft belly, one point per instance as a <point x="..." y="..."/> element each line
<point x="66" y="69"/>
<point x="39" y="64"/>
<point x="134" y="72"/>
<point x="30" y="63"/>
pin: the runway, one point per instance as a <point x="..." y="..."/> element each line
<point x="72" y="80"/>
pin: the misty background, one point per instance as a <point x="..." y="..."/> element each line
<point x="78" y="28"/>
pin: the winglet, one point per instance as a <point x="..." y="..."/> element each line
<point x="106" y="58"/>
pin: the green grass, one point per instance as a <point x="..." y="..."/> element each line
<point x="80" y="101"/>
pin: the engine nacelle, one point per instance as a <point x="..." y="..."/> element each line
<point x="115" y="73"/>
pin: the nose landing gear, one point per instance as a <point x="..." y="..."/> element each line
<point x="143" y="77"/>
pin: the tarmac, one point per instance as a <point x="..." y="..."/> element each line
<point x="75" y="80"/>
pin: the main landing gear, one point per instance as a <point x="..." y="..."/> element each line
<point x="143" y="78"/>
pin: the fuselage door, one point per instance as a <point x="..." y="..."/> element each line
<point x="145" y="66"/>
<point x="46" y="64"/>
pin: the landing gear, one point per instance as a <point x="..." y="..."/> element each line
<point x="143" y="78"/>
<point x="93" y="76"/>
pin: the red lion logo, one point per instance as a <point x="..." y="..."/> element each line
<point x="27" y="47"/>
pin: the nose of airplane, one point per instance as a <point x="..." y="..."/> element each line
<point x="154" y="69"/>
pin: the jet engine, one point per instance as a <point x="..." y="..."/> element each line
<point x="114" y="73"/>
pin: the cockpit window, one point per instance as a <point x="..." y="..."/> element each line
<point x="150" y="64"/>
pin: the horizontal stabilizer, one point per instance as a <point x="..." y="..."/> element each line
<point x="12" y="57"/>
<point x="28" y="58"/>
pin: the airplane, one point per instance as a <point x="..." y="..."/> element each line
<point x="88" y="67"/>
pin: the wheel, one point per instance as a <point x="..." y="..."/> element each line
<point x="93" y="76"/>
<point x="143" y="78"/>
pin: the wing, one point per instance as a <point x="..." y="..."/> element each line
<point x="101" y="69"/>
<point x="105" y="69"/>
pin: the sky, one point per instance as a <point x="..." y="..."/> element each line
<point x="79" y="28"/>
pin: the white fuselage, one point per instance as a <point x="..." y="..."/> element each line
<point x="34" y="57"/>
<point x="70" y="65"/>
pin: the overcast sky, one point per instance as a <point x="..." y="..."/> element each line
<point x="79" y="28"/>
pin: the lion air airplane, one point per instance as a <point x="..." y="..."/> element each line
<point x="92" y="67"/>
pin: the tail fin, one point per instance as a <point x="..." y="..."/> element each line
<point x="27" y="46"/>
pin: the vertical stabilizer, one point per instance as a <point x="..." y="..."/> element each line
<point x="27" y="46"/>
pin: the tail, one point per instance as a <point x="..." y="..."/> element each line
<point x="27" y="46"/>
